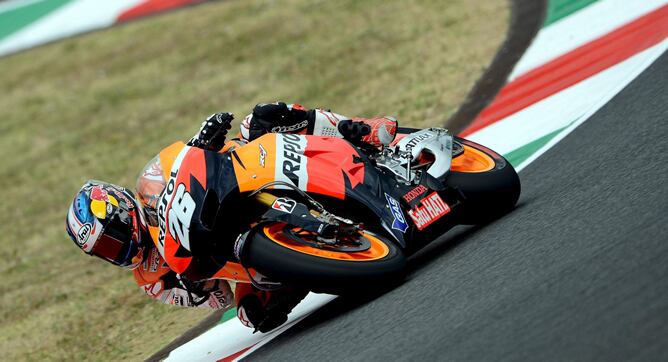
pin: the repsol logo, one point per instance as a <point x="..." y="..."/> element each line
<point x="292" y="158"/>
<point x="162" y="208"/>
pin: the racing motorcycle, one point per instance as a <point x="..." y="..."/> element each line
<point x="321" y="213"/>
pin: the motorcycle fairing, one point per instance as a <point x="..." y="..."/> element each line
<point x="307" y="162"/>
<point x="320" y="165"/>
<point x="177" y="204"/>
<point x="375" y="194"/>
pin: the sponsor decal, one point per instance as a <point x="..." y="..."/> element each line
<point x="123" y="195"/>
<point x="418" y="138"/>
<point x="162" y="209"/>
<point x="290" y="160"/>
<point x="263" y="155"/>
<point x="180" y="214"/>
<point x="294" y="127"/>
<point x="284" y="204"/>
<point x="431" y="208"/>
<point x="179" y="300"/>
<point x="166" y="198"/>
<point x="414" y="193"/>
<point x="399" y="222"/>
<point x="99" y="194"/>
<point x="155" y="261"/>
<point x="220" y="297"/>
<point x="84" y="233"/>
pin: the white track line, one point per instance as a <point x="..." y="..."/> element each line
<point x="71" y="19"/>
<point x="564" y="108"/>
<point x="581" y="28"/>
<point x="11" y="5"/>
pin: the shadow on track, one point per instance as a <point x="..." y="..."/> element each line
<point x="344" y="304"/>
<point x="450" y="240"/>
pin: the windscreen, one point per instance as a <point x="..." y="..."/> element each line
<point x="150" y="184"/>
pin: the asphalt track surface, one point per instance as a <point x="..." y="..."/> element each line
<point x="579" y="271"/>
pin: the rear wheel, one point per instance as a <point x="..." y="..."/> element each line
<point x="489" y="183"/>
<point x="300" y="259"/>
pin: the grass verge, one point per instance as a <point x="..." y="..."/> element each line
<point x="100" y="105"/>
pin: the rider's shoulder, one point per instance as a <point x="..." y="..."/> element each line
<point x="152" y="269"/>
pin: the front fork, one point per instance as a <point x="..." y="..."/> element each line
<point x="314" y="219"/>
<point x="265" y="198"/>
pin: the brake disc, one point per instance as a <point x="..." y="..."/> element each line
<point x="315" y="241"/>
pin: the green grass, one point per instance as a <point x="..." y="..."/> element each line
<point x="100" y="105"/>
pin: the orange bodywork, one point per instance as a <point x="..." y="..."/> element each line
<point x="318" y="163"/>
<point x="378" y="249"/>
<point x="472" y="160"/>
<point x="255" y="172"/>
<point x="168" y="155"/>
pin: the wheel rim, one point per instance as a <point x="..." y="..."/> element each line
<point x="310" y="239"/>
<point x="472" y="160"/>
<point x="377" y="248"/>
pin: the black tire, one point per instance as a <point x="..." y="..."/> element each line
<point x="318" y="274"/>
<point x="488" y="194"/>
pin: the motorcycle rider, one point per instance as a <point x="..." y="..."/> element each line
<point x="109" y="222"/>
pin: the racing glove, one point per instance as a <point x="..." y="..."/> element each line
<point x="196" y="292"/>
<point x="209" y="293"/>
<point x="277" y="117"/>
<point x="375" y="132"/>
<point x="382" y="130"/>
<point x="263" y="310"/>
<point x="353" y="131"/>
<point x="211" y="135"/>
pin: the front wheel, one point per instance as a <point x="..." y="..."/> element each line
<point x="299" y="259"/>
<point x="486" y="179"/>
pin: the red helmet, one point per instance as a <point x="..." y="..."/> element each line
<point x="104" y="220"/>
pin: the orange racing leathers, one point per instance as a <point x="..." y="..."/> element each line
<point x="160" y="282"/>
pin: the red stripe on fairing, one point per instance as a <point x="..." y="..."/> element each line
<point x="150" y="7"/>
<point x="233" y="356"/>
<point x="575" y="66"/>
<point x="329" y="159"/>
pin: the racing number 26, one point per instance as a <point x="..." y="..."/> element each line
<point x="180" y="215"/>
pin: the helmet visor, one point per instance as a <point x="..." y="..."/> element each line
<point x="113" y="250"/>
<point x="118" y="241"/>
